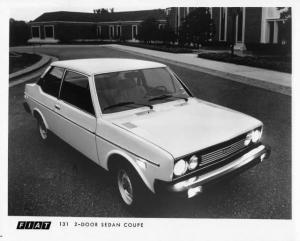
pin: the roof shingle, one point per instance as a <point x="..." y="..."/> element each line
<point x="107" y="17"/>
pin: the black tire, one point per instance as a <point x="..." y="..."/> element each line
<point x="132" y="190"/>
<point x="42" y="130"/>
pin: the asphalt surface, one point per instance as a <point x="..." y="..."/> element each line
<point x="55" y="180"/>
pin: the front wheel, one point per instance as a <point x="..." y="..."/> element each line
<point x="131" y="188"/>
<point x="125" y="187"/>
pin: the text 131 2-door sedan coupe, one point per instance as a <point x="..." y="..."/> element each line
<point x="138" y="120"/>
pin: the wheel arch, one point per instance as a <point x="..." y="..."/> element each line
<point x="38" y="114"/>
<point x="116" y="158"/>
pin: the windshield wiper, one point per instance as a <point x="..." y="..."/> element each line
<point x="165" y="96"/>
<point x="127" y="103"/>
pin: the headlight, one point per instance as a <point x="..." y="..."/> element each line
<point x="248" y="139"/>
<point x="253" y="136"/>
<point x="193" y="162"/>
<point x="180" y="167"/>
<point x="256" y="135"/>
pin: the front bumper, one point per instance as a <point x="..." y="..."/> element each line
<point x="195" y="184"/>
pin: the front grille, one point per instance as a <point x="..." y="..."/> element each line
<point x="216" y="155"/>
<point x="213" y="156"/>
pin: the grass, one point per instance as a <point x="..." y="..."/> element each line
<point x="277" y="63"/>
<point x="18" y="61"/>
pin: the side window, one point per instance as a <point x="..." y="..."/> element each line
<point x="50" y="83"/>
<point x="75" y="90"/>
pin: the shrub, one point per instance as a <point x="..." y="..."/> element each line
<point x="216" y="45"/>
<point x="269" y="48"/>
<point x="279" y="63"/>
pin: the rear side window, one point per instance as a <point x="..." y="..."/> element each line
<point x="76" y="91"/>
<point x="50" y="83"/>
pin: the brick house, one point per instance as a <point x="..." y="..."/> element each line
<point x="250" y="24"/>
<point x="54" y="27"/>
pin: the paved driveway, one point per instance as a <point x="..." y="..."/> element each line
<point x="56" y="180"/>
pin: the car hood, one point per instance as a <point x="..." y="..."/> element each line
<point x="183" y="128"/>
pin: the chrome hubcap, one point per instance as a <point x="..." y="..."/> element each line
<point x="125" y="187"/>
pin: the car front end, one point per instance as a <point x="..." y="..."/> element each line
<point x="195" y="172"/>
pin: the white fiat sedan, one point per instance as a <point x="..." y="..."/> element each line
<point x="139" y="121"/>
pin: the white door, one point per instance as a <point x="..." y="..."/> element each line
<point x="77" y="124"/>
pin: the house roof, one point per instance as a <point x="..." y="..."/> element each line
<point x="66" y="16"/>
<point x="106" y="17"/>
<point x="105" y="65"/>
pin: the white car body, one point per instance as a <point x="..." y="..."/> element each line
<point x="151" y="140"/>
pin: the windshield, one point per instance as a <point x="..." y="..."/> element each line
<point x="125" y="90"/>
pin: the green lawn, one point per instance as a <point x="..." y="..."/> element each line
<point x="18" y="61"/>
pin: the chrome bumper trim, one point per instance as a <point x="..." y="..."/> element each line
<point x="217" y="173"/>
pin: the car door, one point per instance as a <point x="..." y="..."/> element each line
<point x="48" y="95"/>
<point x="77" y="124"/>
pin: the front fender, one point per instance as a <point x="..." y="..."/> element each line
<point x="145" y="174"/>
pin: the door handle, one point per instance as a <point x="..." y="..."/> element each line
<point x="57" y="107"/>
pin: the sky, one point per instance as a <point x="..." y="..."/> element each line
<point x="30" y="9"/>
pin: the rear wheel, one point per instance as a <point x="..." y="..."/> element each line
<point x="43" y="131"/>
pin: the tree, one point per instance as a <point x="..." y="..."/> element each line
<point x="148" y="30"/>
<point x="19" y="32"/>
<point x="286" y="25"/>
<point x="167" y="35"/>
<point x="196" y="27"/>
<point x="101" y="11"/>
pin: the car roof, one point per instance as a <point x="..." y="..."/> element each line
<point x="105" y="65"/>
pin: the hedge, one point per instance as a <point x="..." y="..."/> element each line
<point x="278" y="63"/>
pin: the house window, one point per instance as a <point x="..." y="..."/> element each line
<point x="271" y="35"/>
<point x="161" y="26"/>
<point x="223" y="24"/>
<point x="273" y="32"/>
<point x="111" y="31"/>
<point x="119" y="31"/>
<point x="49" y="31"/>
<point x="239" y="26"/>
<point x="134" y="31"/>
<point x="35" y="31"/>
<point x="99" y="31"/>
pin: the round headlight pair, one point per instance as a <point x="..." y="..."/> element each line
<point x="253" y="136"/>
<point x="182" y="166"/>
